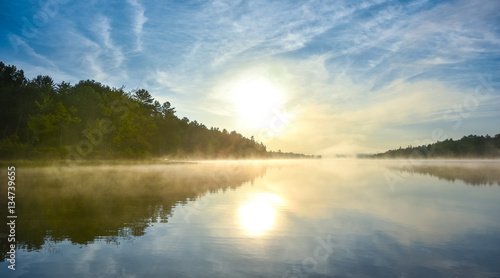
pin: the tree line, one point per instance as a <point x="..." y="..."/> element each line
<point x="42" y="119"/>
<point x="471" y="146"/>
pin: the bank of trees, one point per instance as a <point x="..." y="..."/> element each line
<point x="43" y="119"/>
<point x="472" y="146"/>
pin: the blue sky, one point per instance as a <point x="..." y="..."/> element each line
<point x="306" y="76"/>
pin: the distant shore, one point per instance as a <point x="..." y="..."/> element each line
<point x="468" y="147"/>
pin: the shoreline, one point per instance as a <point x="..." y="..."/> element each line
<point x="159" y="161"/>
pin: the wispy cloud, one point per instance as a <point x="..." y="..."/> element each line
<point x="226" y="36"/>
<point x="98" y="51"/>
<point x="406" y="43"/>
<point x="139" y="20"/>
<point x="31" y="52"/>
<point x="107" y="46"/>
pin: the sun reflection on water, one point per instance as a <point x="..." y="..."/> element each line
<point x="257" y="214"/>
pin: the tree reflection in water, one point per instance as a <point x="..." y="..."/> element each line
<point x="82" y="204"/>
<point x="472" y="173"/>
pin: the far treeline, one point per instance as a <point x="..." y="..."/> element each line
<point x="45" y="120"/>
<point x="472" y="146"/>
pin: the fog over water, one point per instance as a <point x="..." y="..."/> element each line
<point x="296" y="218"/>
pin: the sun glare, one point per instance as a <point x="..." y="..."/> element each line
<point x="257" y="215"/>
<point x="256" y="101"/>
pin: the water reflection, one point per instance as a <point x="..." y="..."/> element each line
<point x="317" y="218"/>
<point x="471" y="172"/>
<point x="257" y="213"/>
<point x="81" y="204"/>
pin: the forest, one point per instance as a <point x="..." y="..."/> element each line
<point x="471" y="146"/>
<point x="42" y="119"/>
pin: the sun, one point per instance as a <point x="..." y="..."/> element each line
<point x="257" y="100"/>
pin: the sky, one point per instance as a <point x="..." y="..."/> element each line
<point x="317" y="77"/>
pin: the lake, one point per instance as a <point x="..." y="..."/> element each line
<point x="298" y="218"/>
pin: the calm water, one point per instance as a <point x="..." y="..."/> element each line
<point x="315" y="218"/>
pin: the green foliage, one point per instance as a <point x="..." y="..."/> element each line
<point x="89" y="120"/>
<point x="472" y="146"/>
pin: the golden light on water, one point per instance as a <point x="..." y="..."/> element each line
<point x="257" y="215"/>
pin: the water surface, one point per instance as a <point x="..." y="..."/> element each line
<point x="312" y="218"/>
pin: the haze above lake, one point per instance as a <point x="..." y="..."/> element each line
<point x="298" y="218"/>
